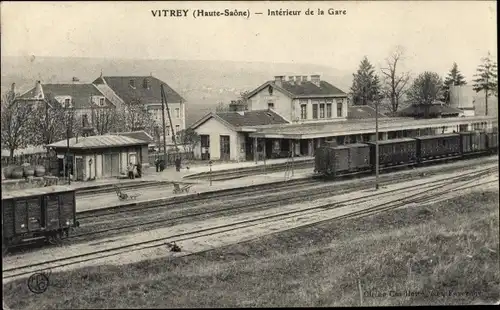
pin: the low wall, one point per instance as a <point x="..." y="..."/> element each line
<point x="31" y="182"/>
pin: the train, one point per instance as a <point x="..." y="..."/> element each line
<point x="46" y="213"/>
<point x="333" y="160"/>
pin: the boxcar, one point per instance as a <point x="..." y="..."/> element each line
<point x="39" y="213"/>
<point x="438" y="146"/>
<point x="395" y="152"/>
<point x="338" y="159"/>
<point x="473" y="142"/>
<point x="492" y="141"/>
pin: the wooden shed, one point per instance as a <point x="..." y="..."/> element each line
<point x="100" y="156"/>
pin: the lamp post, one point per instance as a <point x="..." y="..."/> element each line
<point x="210" y="174"/>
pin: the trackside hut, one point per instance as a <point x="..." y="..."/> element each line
<point x="100" y="156"/>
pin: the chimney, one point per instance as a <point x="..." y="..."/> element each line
<point x="315" y="79"/>
<point x="38" y="91"/>
<point x="278" y="80"/>
<point x="13" y="88"/>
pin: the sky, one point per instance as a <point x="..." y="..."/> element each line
<point x="434" y="34"/>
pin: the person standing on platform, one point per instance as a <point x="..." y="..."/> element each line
<point x="130" y="169"/>
<point x="157" y="164"/>
<point x="139" y="169"/>
<point x="178" y="164"/>
<point x="162" y="165"/>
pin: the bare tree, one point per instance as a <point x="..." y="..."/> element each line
<point x="104" y="120"/>
<point x="135" y="116"/>
<point x="47" y="119"/>
<point x="394" y="82"/>
<point x="17" y="129"/>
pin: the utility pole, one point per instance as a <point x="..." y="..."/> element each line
<point x="164" y="127"/>
<point x="376" y="146"/>
<point x="164" y="99"/>
<point x="69" y="125"/>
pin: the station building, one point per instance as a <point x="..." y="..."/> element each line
<point x="299" y="114"/>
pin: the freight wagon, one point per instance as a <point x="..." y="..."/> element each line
<point x="340" y="159"/>
<point x="438" y="146"/>
<point x="46" y="213"/>
<point x="394" y="152"/>
<point x="492" y="141"/>
<point x="473" y="142"/>
<point x="334" y="160"/>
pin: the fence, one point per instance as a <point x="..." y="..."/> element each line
<point x="170" y="157"/>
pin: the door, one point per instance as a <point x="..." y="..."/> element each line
<point x="224" y="148"/>
<point x="106" y="166"/>
<point x="115" y="164"/>
<point x="80" y="168"/>
<point x="205" y="147"/>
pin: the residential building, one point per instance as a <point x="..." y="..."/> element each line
<point x="146" y="90"/>
<point x="300" y="100"/>
<point x="82" y="97"/>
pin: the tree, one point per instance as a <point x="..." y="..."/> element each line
<point x="16" y="119"/>
<point x="189" y="138"/>
<point x="104" y="119"/>
<point x="454" y="78"/>
<point x="394" y="82"/>
<point x="222" y="107"/>
<point x="134" y="116"/>
<point x="365" y="85"/>
<point x="426" y="89"/>
<point x="47" y="119"/>
<point x="486" y="79"/>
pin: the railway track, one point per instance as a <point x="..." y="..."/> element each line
<point x="271" y="198"/>
<point x="386" y="200"/>
<point x="250" y="190"/>
<point x="231" y="174"/>
<point x="109" y="188"/>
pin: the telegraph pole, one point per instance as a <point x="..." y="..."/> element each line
<point x="164" y="127"/>
<point x="164" y="99"/>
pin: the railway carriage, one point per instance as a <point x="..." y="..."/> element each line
<point x="438" y="146"/>
<point x="395" y="152"/>
<point x="46" y="213"/>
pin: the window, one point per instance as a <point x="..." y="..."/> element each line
<point x="270" y="105"/>
<point x="67" y="103"/>
<point x="322" y="110"/>
<point x="303" y="111"/>
<point x="328" y="110"/>
<point x="315" y="109"/>
<point x="177" y="129"/>
<point x="101" y="102"/>
<point x="339" y="108"/>
<point x="177" y="113"/>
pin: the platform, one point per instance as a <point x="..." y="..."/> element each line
<point x="102" y="201"/>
